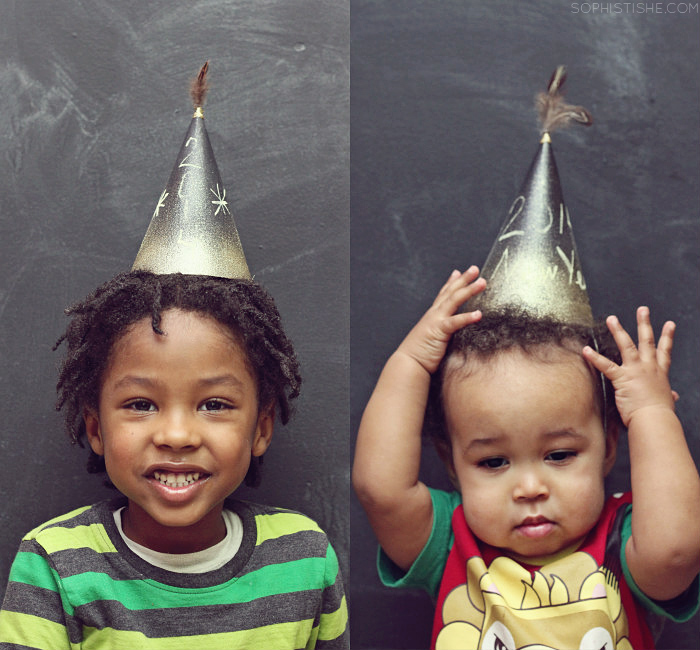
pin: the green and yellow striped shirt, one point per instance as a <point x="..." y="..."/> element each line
<point x="75" y="584"/>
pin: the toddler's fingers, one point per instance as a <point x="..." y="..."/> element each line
<point x="663" y="351"/>
<point x="472" y="273"/>
<point x="453" y="276"/>
<point x="458" y="321"/>
<point x="645" y="335"/>
<point x="458" y="295"/>
<point x="446" y="287"/>
<point x="456" y="280"/>
<point x="624" y="342"/>
<point x="463" y="278"/>
<point x="601" y="363"/>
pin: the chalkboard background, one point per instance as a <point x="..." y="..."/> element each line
<point x="443" y="131"/>
<point x="94" y="107"/>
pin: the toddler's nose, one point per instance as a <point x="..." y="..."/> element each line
<point x="530" y="485"/>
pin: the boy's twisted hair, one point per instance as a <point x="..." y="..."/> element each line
<point x="511" y="327"/>
<point x="103" y="317"/>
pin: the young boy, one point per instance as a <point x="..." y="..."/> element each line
<point x="175" y="381"/>
<point x="527" y="551"/>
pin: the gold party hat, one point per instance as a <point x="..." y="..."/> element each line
<point x="534" y="263"/>
<point x="192" y="230"/>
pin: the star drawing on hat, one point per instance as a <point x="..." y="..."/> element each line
<point x="220" y="194"/>
<point x="160" y="203"/>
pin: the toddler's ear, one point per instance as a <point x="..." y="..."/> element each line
<point x="263" y="430"/>
<point x="93" y="431"/>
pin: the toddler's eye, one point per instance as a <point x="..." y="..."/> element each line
<point x="497" y="462"/>
<point x="141" y="405"/>
<point x="214" y="405"/>
<point x="561" y="456"/>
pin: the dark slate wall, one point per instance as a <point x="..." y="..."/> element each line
<point x="443" y="131"/>
<point x="94" y="108"/>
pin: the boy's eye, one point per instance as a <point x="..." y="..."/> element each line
<point x="561" y="456"/>
<point x="141" y="405"/>
<point x="497" y="462"/>
<point x="214" y="405"/>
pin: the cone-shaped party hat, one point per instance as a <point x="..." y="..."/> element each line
<point x="534" y="263"/>
<point x="192" y="230"/>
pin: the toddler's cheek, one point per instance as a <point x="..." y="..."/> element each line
<point x="483" y="519"/>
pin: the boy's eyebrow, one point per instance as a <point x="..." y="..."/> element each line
<point x="221" y="379"/>
<point x="133" y="379"/>
<point x="205" y="381"/>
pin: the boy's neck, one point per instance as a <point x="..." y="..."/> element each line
<point x="139" y="527"/>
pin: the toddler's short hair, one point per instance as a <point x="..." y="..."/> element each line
<point x="508" y="328"/>
<point x="104" y="316"/>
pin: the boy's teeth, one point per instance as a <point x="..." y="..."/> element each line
<point x="171" y="479"/>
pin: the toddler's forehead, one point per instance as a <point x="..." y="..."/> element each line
<point x="553" y="366"/>
<point x="511" y="359"/>
<point x="515" y="385"/>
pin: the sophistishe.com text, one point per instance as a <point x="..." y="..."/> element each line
<point x="634" y="7"/>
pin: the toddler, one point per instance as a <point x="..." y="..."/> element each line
<point x="527" y="550"/>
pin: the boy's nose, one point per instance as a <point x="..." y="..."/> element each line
<point x="176" y="432"/>
<point x="530" y="485"/>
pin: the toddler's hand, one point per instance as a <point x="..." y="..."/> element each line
<point x="641" y="382"/>
<point x="427" y="341"/>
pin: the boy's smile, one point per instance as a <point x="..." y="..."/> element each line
<point x="528" y="449"/>
<point x="177" y="423"/>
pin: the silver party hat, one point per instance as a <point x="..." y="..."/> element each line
<point x="192" y="229"/>
<point x="534" y="263"/>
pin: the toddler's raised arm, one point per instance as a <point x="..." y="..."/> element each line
<point x="663" y="553"/>
<point x="387" y="456"/>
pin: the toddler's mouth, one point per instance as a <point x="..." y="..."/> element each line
<point x="535" y="527"/>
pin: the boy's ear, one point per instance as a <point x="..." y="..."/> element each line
<point x="93" y="431"/>
<point x="611" y="437"/>
<point x="263" y="430"/>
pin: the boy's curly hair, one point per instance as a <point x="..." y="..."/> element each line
<point x="512" y="327"/>
<point x="104" y="316"/>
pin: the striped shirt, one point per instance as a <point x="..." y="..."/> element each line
<point x="75" y="584"/>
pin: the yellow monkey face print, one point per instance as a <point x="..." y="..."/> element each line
<point x="570" y="603"/>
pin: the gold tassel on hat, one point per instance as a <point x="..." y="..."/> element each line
<point x="534" y="263"/>
<point x="192" y="230"/>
